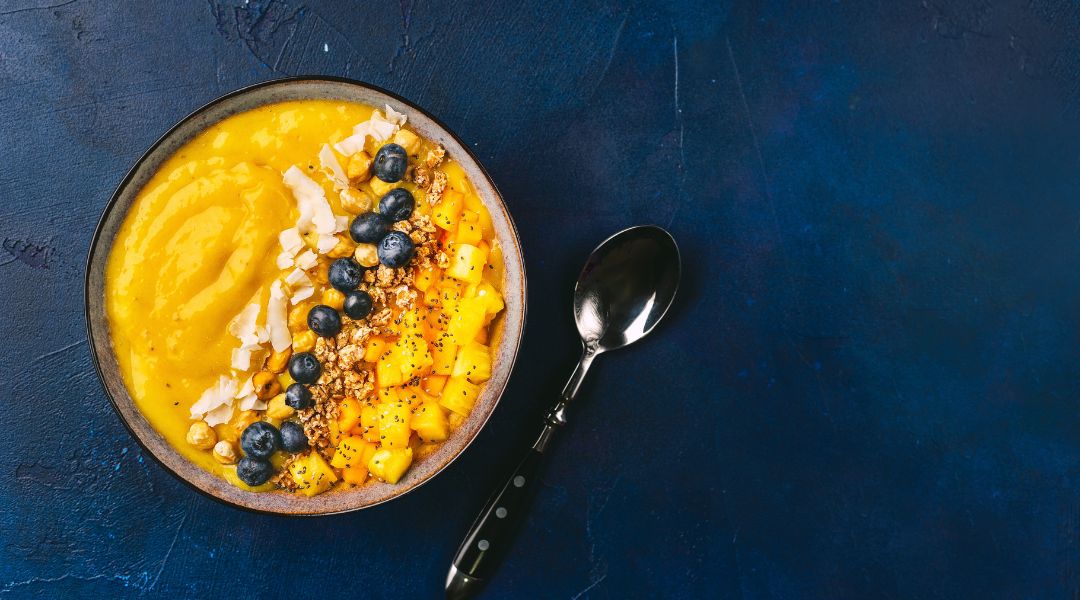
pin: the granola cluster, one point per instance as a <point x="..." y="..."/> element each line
<point x="345" y="374"/>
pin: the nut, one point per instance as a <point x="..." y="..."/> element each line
<point x="407" y="140"/>
<point x="380" y="187"/>
<point x="304" y="341"/>
<point x="201" y="435"/>
<point x="277" y="409"/>
<point x="359" y="168"/>
<point x="245" y="418"/>
<point x="321" y="274"/>
<point x="298" y="315"/>
<point x="344" y="247"/>
<point x="333" y="298"/>
<point x="266" y="385"/>
<point x="225" y="453"/>
<point x="367" y="255"/>
<point x="355" y="201"/>
<point x="278" y="361"/>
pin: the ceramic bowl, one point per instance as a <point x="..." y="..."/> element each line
<point x="507" y="332"/>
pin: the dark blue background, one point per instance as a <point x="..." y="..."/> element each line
<point x="868" y="388"/>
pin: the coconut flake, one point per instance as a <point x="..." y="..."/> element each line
<point x="243" y="324"/>
<point x="332" y="168"/>
<point x="306" y="260"/>
<point x="342" y="223"/>
<point x="277" y="319"/>
<point x="218" y="395"/>
<point x="264" y="336"/>
<point x="291" y="241"/>
<point x="297" y="278"/>
<point x="221" y="414"/>
<point x="355" y="142"/>
<point x="284" y="260"/>
<point x="315" y="211"/>
<point x="247" y="388"/>
<point x="395" y="117"/>
<point x="326" y="243"/>
<point x="252" y="402"/>
<point x="380" y="128"/>
<point x="241" y="359"/>
<point x="302" y="293"/>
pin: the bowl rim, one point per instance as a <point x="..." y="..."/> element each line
<point x="110" y="205"/>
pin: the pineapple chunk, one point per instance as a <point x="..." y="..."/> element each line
<point x="443" y="353"/>
<point x="473" y="363"/>
<point x="426" y="278"/>
<point x="350" y="452"/>
<point x="433" y="384"/>
<point x="459" y="395"/>
<point x="447" y="212"/>
<point x="389" y="465"/>
<point x="348" y="414"/>
<point x="468" y="230"/>
<point x="312" y="475"/>
<point x="468" y="263"/>
<point x="369" y="422"/>
<point x="493" y="302"/>
<point x="466" y="320"/>
<point x="388" y="371"/>
<point x="375" y="348"/>
<point x="429" y="422"/>
<point x="394" y="418"/>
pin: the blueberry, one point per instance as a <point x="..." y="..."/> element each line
<point x="293" y="439"/>
<point x="254" y="471"/>
<point x="324" y="321"/>
<point x="396" y="249"/>
<point x="397" y="204"/>
<point x="304" y="367"/>
<point x="297" y="396"/>
<point x="357" y="304"/>
<point x="369" y="228"/>
<point x="390" y="163"/>
<point x="345" y="274"/>
<point x="260" y="440"/>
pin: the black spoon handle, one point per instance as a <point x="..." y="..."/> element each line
<point x="489" y="540"/>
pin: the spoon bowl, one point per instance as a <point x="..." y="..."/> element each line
<point x="626" y="287"/>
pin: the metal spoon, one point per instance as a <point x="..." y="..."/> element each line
<point x="624" y="290"/>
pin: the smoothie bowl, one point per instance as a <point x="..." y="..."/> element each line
<point x="306" y="298"/>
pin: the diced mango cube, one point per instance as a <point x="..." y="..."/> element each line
<point x="429" y="422"/>
<point x="425" y="278"/>
<point x="447" y="212"/>
<point x="443" y="354"/>
<point x="473" y="363"/>
<point x="459" y="395"/>
<point x="369" y="422"/>
<point x="493" y="301"/>
<point x="468" y="230"/>
<point x="467" y="263"/>
<point x="375" y="348"/>
<point x="390" y="464"/>
<point x="394" y="418"/>
<point x="348" y="414"/>
<point x="350" y="451"/>
<point x="311" y="474"/>
<point x="388" y="371"/>
<point x="466" y="320"/>
<point x="433" y="384"/>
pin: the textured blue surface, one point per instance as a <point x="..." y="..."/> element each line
<point x="868" y="389"/>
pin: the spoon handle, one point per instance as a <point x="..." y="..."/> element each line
<point x="489" y="539"/>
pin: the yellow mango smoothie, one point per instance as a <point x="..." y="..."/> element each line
<point x="301" y="297"/>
